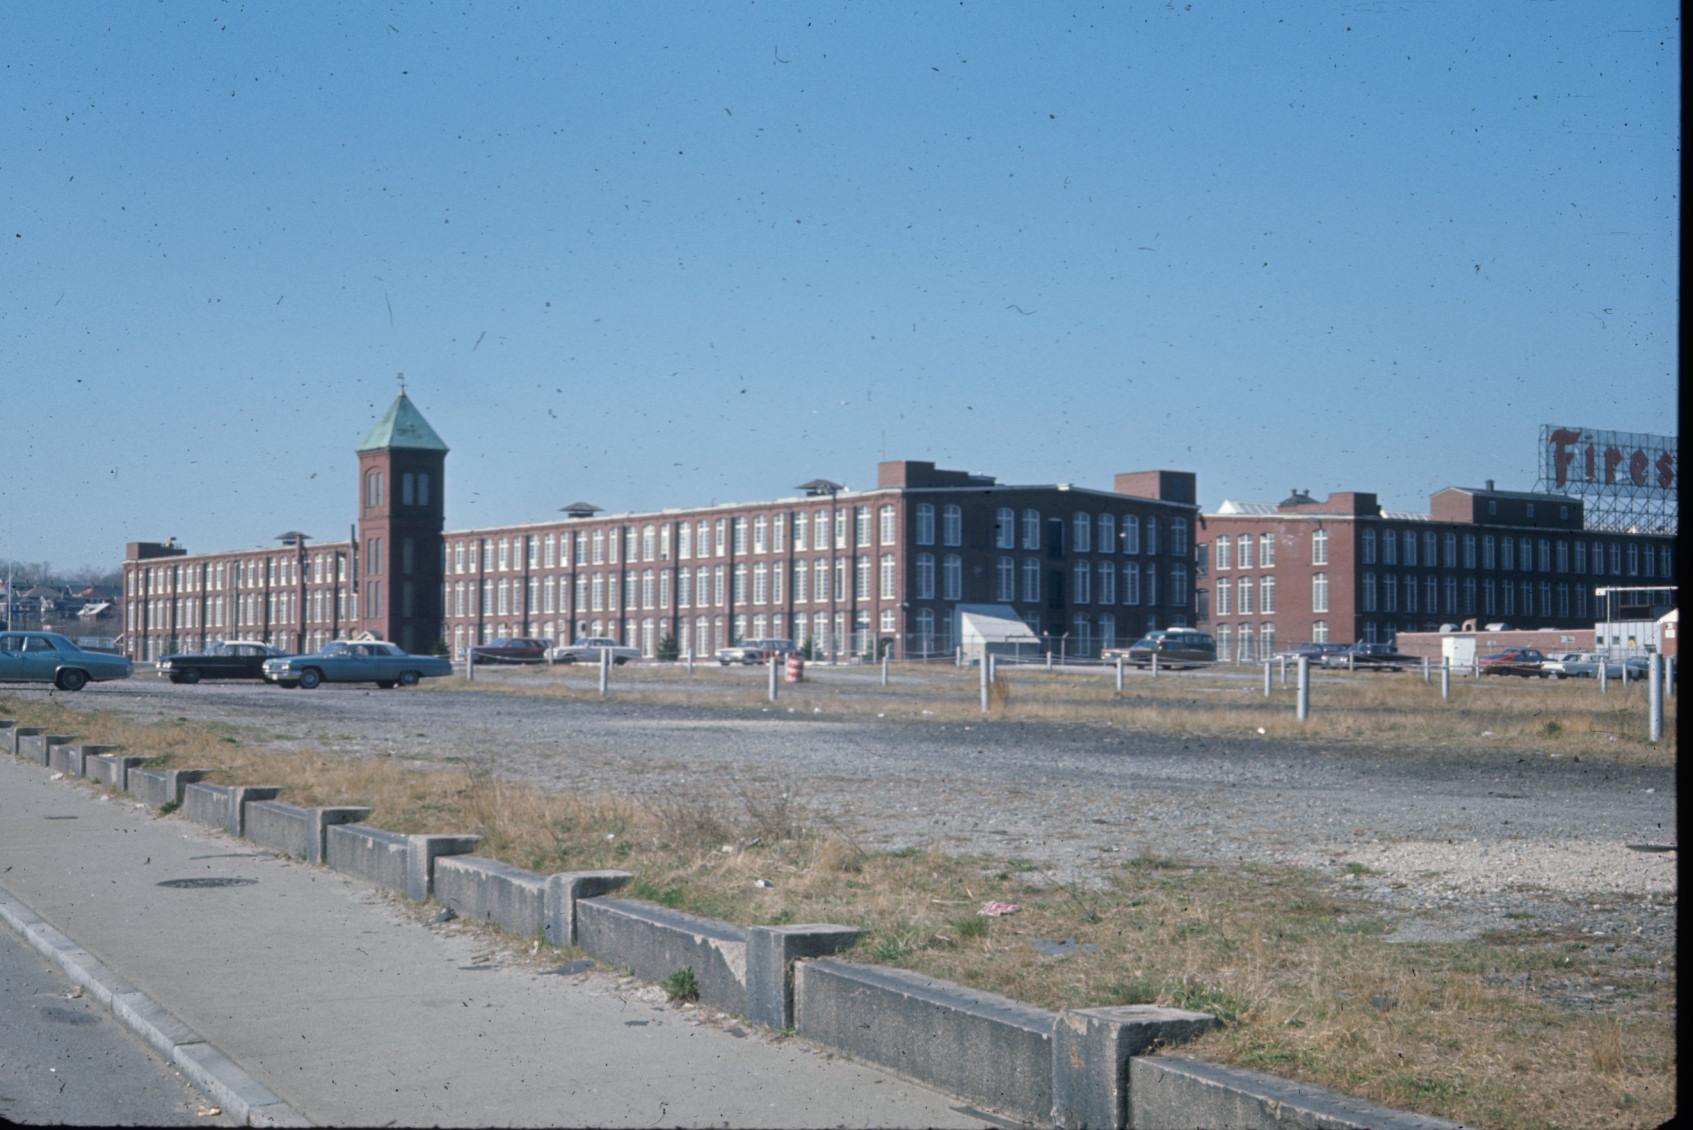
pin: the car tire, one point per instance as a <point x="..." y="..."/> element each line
<point x="189" y="676"/>
<point x="408" y="678"/>
<point x="176" y="677"/>
<point x="70" y="679"/>
<point x="620" y="661"/>
<point x="565" y="659"/>
<point x="385" y="684"/>
<point x="310" y="678"/>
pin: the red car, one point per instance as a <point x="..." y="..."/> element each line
<point x="1524" y="661"/>
<point x="511" y="650"/>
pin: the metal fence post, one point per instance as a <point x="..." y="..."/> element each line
<point x="1669" y="676"/>
<point x="1155" y="665"/>
<point x="605" y="671"/>
<point x="1445" y="678"/>
<point x="1266" y="678"/>
<point x="1119" y="674"/>
<point x="771" y="663"/>
<point x="1654" y="699"/>
<point x="1302" y="705"/>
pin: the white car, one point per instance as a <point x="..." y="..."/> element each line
<point x="588" y="649"/>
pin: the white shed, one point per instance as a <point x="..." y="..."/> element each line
<point x="994" y="629"/>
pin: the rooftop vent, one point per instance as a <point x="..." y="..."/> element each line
<point x="1296" y="498"/>
<point x="580" y="510"/>
<point x="818" y="487"/>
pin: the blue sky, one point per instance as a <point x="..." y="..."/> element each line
<point x="656" y="255"/>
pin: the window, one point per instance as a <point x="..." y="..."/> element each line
<point x="802" y="579"/>
<point x="1131" y="582"/>
<point x="599" y="547"/>
<point x="1390" y="593"/>
<point x="801" y="521"/>
<point x="886" y="520"/>
<point x="1508" y="554"/>
<point x="1151" y="535"/>
<point x="1469" y="595"/>
<point x="1431" y="593"/>
<point x="952" y="525"/>
<point x="1581" y="557"/>
<point x="1223" y="551"/>
<point x="685" y="589"/>
<point x="1266" y="595"/>
<point x="840" y="529"/>
<point x="1428" y="548"/>
<point x="1081" y="583"/>
<point x="1031" y="529"/>
<point x="1108" y="533"/>
<point x="1543" y="557"/>
<point x="1266" y="551"/>
<point x="1031" y="580"/>
<point x="720" y="534"/>
<point x="1389" y="548"/>
<point x="925" y="576"/>
<point x="1178" y="541"/>
<point x="1225" y="597"/>
<point x="505" y="554"/>
<point x="887" y="576"/>
<point x="1225" y="642"/>
<point x="1320" y="547"/>
<point x="1081" y="635"/>
<point x="952" y="577"/>
<point x="740" y="536"/>
<point x="820" y="579"/>
<point x="1633" y="559"/>
<point x="1319" y="592"/>
<point x="1131" y="534"/>
<point x="1245" y="596"/>
<point x="1410" y="554"/>
<point x="925" y="524"/>
<point x="1005" y="528"/>
<point x="1246" y="551"/>
<point x="1243" y="650"/>
<point x="761" y="534"/>
<point x="925" y="631"/>
<point x="685" y="541"/>
<point x="649" y="542"/>
<point x="423" y="488"/>
<point x="738" y="593"/>
<point x="1108" y="626"/>
<point x="1320" y="632"/>
<point x="1005" y="580"/>
<point x="1107" y="582"/>
<point x="1368" y="596"/>
<point x="1178" y="586"/>
<point x="861" y="577"/>
<point x="1448" y="551"/>
<point x="861" y="525"/>
<point x="1081" y="532"/>
<point x="761" y="583"/>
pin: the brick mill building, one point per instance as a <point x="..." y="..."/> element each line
<point x="1342" y="569"/>
<point x="846" y="570"/>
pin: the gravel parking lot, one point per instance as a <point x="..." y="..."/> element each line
<point x="1449" y="845"/>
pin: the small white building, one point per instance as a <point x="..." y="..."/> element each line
<point x="994" y="629"/>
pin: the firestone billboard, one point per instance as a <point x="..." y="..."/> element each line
<point x="1587" y="461"/>
<point x="1627" y="481"/>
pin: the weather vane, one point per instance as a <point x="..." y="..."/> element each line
<point x="401" y="377"/>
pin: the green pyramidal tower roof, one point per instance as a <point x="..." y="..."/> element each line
<point x="404" y="427"/>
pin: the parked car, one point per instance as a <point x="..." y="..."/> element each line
<point x="755" y="651"/>
<point x="1524" y="661"/>
<point x="48" y="657"/>
<point x="226" y="659"/>
<point x="1368" y="656"/>
<point x="1581" y="665"/>
<point x="1638" y="666"/>
<point x="511" y="650"/>
<point x="1175" y="647"/>
<point x="588" y="649"/>
<point x="355" y="661"/>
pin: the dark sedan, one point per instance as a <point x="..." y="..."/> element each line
<point x="1370" y="657"/>
<point x="226" y="659"/>
<point x="511" y="650"/>
<point x="355" y="661"/>
<point x="1527" y="662"/>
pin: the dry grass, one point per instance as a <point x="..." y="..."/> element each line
<point x="1396" y="711"/>
<point x="1302" y="978"/>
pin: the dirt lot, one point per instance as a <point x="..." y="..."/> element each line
<point x="1450" y="843"/>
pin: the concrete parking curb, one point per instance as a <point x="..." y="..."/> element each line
<point x="219" y="1077"/>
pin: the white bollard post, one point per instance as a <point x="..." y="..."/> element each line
<point x="1266" y="678"/>
<point x="1604" y="674"/>
<point x="1049" y="661"/>
<point x="605" y="671"/>
<point x="1302" y="705"/>
<point x="1282" y="659"/>
<point x="470" y="665"/>
<point x="1445" y="679"/>
<point x="1154" y="664"/>
<point x="958" y="656"/>
<point x="1119" y="674"/>
<point x="884" y="668"/>
<point x="1654" y="699"/>
<point x="993" y="666"/>
<point x="690" y="659"/>
<point x="1669" y="676"/>
<point x="985" y="667"/>
<point x="1426" y="670"/>
<point x="1625" y="672"/>
<point x="1349" y="661"/>
<point x="771" y="663"/>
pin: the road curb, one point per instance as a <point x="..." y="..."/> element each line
<point x="240" y="1095"/>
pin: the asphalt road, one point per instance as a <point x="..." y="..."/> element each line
<point x="64" y="1060"/>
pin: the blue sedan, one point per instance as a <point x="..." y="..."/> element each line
<point x="355" y="661"/>
<point x="48" y="657"/>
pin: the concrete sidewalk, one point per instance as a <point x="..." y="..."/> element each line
<point x="350" y="1010"/>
